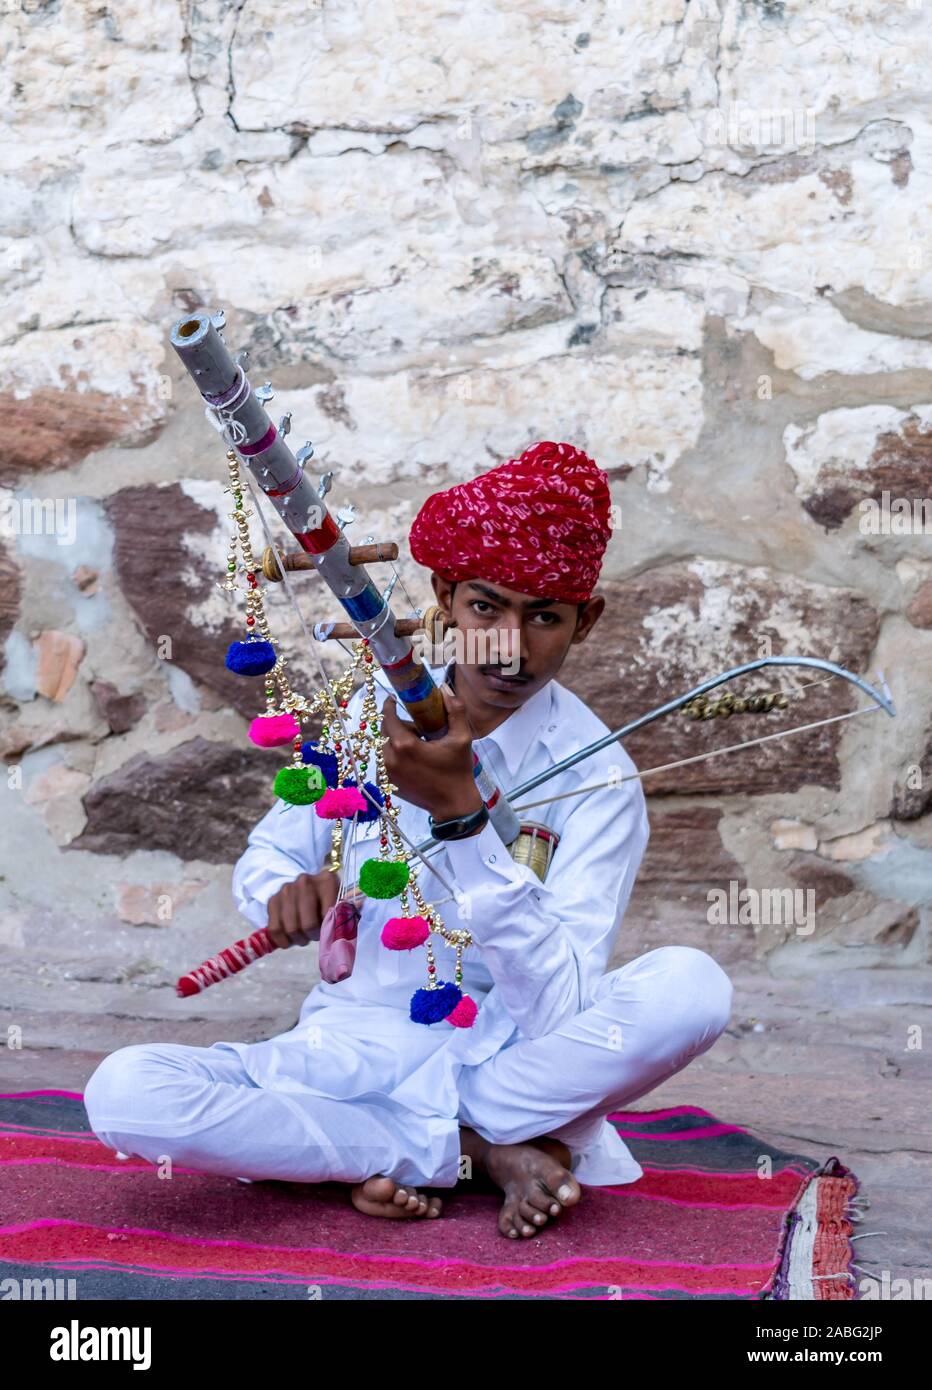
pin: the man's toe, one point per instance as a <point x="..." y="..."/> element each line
<point x="507" y="1218"/>
<point x="532" y="1214"/>
<point x="568" y="1191"/>
<point x="379" y="1189"/>
<point x="540" y="1200"/>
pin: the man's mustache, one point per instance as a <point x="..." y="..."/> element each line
<point x="498" y="668"/>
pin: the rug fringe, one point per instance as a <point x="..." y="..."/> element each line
<point x="806" y="1233"/>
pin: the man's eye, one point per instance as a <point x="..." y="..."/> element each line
<point x="478" y="603"/>
<point x="549" y="618"/>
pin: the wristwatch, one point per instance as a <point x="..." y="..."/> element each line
<point x="459" y="827"/>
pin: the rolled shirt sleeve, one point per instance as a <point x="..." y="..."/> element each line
<point x="288" y="841"/>
<point x="546" y="944"/>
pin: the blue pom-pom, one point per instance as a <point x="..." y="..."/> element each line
<point x="433" y="1005"/>
<point x="327" y="762"/>
<point x="250" y="658"/>
<point x="371" y="812"/>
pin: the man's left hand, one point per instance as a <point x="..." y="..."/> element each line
<point x="436" y="775"/>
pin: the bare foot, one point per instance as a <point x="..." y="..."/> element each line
<point x="384" y="1197"/>
<point x="535" y="1177"/>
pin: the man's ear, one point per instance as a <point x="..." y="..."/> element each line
<point x="588" y="618"/>
<point x="443" y="591"/>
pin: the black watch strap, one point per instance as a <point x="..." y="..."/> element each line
<point x="459" y="826"/>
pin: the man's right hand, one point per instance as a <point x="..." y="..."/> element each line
<point x="297" y="910"/>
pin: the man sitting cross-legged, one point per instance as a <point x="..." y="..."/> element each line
<point x="358" y="1093"/>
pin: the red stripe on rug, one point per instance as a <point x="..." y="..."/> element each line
<point x="49" y="1242"/>
<point x="81" y="1151"/>
<point x="724" y="1190"/>
<point x="691" y="1187"/>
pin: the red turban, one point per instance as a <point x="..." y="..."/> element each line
<point x="538" y="524"/>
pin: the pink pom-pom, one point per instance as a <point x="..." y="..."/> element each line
<point x="273" y="730"/>
<point x="464" y="1015"/>
<point x="340" y="802"/>
<point x="404" y="933"/>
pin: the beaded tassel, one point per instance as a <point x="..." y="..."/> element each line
<point x="333" y="804"/>
<point x="280" y="722"/>
<point x="389" y="876"/>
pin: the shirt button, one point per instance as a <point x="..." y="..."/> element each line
<point x="552" y="729"/>
<point x="491" y="859"/>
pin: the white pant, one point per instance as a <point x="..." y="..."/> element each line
<point x="200" y="1108"/>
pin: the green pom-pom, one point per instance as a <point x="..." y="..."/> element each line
<point x="380" y="879"/>
<point x="299" y="786"/>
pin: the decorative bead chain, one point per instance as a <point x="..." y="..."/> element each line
<point x="256" y="619"/>
<point x="390" y="838"/>
<point x="331" y="702"/>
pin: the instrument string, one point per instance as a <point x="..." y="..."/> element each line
<point x="680" y="762"/>
<point x="700" y="757"/>
<point x="404" y="589"/>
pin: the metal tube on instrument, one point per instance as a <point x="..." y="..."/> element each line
<point x="223" y="384"/>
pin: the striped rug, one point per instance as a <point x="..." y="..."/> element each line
<point x="718" y="1214"/>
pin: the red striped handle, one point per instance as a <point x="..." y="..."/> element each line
<point x="226" y="963"/>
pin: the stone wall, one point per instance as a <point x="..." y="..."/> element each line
<point x="691" y="238"/>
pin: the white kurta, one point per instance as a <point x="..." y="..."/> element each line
<point x="539" y="949"/>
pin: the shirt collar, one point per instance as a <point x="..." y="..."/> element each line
<point x="514" y="736"/>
